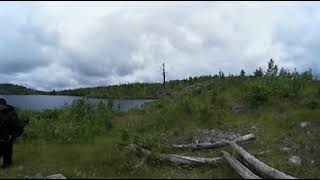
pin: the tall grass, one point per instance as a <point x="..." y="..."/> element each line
<point x="82" y="121"/>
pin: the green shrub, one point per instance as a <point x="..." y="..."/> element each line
<point x="204" y="113"/>
<point x="186" y="104"/>
<point x="312" y="103"/>
<point x="217" y="114"/>
<point x="284" y="87"/>
<point x="257" y="92"/>
<point x="80" y="122"/>
<point x="124" y="135"/>
<point x="281" y="88"/>
<point x="297" y="86"/>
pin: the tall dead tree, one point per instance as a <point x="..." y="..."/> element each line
<point x="164" y="76"/>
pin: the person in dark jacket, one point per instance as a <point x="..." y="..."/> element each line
<point x="10" y="129"/>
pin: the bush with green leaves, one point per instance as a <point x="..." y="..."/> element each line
<point x="257" y="92"/>
<point x="258" y="72"/>
<point x="80" y="122"/>
<point x="312" y="103"/>
<point x="186" y="104"/>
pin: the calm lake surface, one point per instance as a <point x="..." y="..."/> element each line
<point x="42" y="102"/>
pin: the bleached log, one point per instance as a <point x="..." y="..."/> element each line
<point x="178" y="159"/>
<point x="136" y="167"/>
<point x="259" y="165"/>
<point x="240" y="168"/>
<point x="213" y="145"/>
<point x="190" y="160"/>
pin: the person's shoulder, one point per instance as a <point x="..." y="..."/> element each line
<point x="9" y="108"/>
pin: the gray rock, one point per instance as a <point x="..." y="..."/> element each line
<point x="295" y="160"/>
<point x="304" y="124"/>
<point x="20" y="168"/>
<point x="262" y="153"/>
<point x="237" y="107"/>
<point x="253" y="127"/>
<point x="35" y="177"/>
<point x="56" y="176"/>
<point x="312" y="161"/>
<point x="285" y="149"/>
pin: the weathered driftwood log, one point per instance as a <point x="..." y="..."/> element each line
<point x="140" y="164"/>
<point x="178" y="159"/>
<point x="259" y="165"/>
<point x="240" y="168"/>
<point x="190" y="160"/>
<point x="213" y="145"/>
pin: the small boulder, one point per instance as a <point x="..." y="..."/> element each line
<point x="312" y="161"/>
<point x="262" y="153"/>
<point x="237" y="107"/>
<point x="285" y="149"/>
<point x="35" y="177"/>
<point x="295" y="160"/>
<point x="304" y="124"/>
<point x="20" y="168"/>
<point x="56" y="176"/>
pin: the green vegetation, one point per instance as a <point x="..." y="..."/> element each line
<point x="18" y="90"/>
<point x="70" y="124"/>
<point x="125" y="91"/>
<point x="89" y="141"/>
<point x="134" y="90"/>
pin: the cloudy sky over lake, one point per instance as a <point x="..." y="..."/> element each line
<point x="58" y="45"/>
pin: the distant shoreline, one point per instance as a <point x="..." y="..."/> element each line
<point x="144" y="98"/>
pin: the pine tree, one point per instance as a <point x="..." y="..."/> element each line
<point x="242" y="73"/>
<point x="272" y="70"/>
<point x="258" y="72"/>
<point x="221" y="74"/>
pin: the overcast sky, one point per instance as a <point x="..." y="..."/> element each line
<point x="59" y="45"/>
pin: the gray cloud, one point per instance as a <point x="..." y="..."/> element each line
<point x="68" y="45"/>
<point x="23" y="46"/>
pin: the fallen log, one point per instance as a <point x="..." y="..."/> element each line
<point x="240" y="168"/>
<point x="136" y="167"/>
<point x="213" y="145"/>
<point x="259" y="165"/>
<point x="190" y="160"/>
<point x="178" y="159"/>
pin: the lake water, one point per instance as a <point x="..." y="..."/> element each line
<point x="42" y="102"/>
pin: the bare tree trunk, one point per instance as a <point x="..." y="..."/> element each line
<point x="213" y="145"/>
<point x="240" y="168"/>
<point x="259" y="165"/>
<point x="178" y="159"/>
